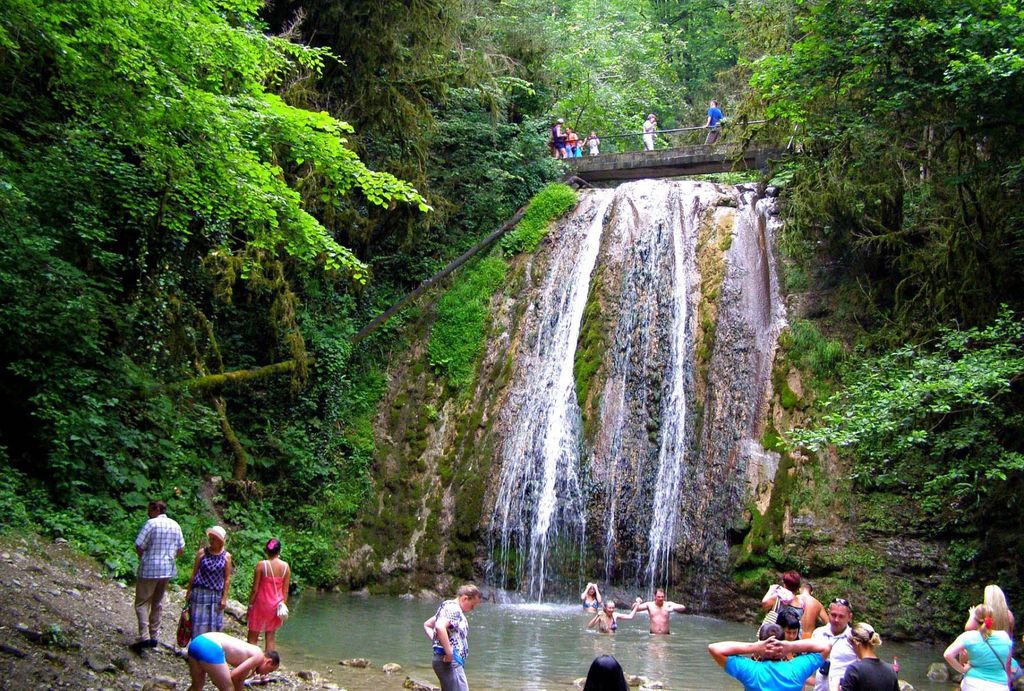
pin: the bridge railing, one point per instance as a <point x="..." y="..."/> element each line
<point x="672" y="138"/>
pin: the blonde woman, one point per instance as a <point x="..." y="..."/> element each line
<point x="987" y="651"/>
<point x="606" y="621"/>
<point x="1002" y="617"/>
<point x="868" y="673"/>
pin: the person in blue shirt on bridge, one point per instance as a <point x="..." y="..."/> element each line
<point x="714" y="117"/>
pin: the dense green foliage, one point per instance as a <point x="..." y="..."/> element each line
<point x="160" y="204"/>
<point x="940" y="421"/>
<point x="908" y="117"/>
<point x="619" y="61"/>
<point x="172" y="209"/>
<point x="910" y="114"/>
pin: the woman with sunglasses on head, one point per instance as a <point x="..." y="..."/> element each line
<point x="987" y="650"/>
<point x="868" y="673"/>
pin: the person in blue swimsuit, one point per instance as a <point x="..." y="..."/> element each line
<point x="591" y="597"/>
<point x="215" y="653"/>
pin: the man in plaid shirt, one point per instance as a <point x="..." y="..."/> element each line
<point x="158" y="545"/>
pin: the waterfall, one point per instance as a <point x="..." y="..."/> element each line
<point x="649" y="490"/>
<point x="540" y="496"/>
<point x="673" y="452"/>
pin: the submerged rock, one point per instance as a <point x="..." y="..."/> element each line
<point x="937" y="671"/>
<point x="357" y="662"/>
<point x="415" y="685"/>
<point x="392" y="668"/>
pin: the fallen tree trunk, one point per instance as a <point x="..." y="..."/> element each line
<point x="215" y="381"/>
<point x="441" y="275"/>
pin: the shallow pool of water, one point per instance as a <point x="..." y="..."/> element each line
<point x="520" y="646"/>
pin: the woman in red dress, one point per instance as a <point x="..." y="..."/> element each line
<point x="269" y="588"/>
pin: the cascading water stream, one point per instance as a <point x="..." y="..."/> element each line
<point x="673" y="452"/>
<point x="540" y="496"/>
<point x="664" y="462"/>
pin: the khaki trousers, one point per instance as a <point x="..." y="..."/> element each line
<point x="149" y="605"/>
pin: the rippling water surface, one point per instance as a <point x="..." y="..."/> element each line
<point x="520" y="646"/>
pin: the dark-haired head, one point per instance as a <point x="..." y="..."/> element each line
<point x="271" y="661"/>
<point x="790" y="624"/>
<point x="273" y="547"/>
<point x="605" y="675"/>
<point x="157" y="507"/>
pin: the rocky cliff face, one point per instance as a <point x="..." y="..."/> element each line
<point x="614" y="428"/>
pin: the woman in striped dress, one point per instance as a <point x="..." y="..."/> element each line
<point x="207" y="592"/>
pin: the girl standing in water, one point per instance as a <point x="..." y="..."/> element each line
<point x="868" y="673"/>
<point x="987" y="650"/>
<point x="606" y="621"/>
<point x="591" y="597"/>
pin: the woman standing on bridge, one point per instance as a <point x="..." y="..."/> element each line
<point x="650" y="125"/>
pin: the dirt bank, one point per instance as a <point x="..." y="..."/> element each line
<point x="64" y="624"/>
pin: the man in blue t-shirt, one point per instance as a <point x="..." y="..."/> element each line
<point x="775" y="665"/>
<point x="714" y="117"/>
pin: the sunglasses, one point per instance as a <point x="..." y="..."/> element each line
<point x="842" y="601"/>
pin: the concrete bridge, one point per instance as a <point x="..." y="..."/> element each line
<point x="666" y="163"/>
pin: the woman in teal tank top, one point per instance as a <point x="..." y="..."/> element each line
<point x="987" y="652"/>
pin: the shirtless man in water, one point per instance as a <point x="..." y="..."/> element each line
<point x="214" y="653"/>
<point x="658" y="610"/>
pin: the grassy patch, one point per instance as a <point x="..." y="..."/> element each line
<point x="457" y="338"/>
<point x="736" y="177"/>
<point x="551" y="202"/>
<point x="809" y="350"/>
